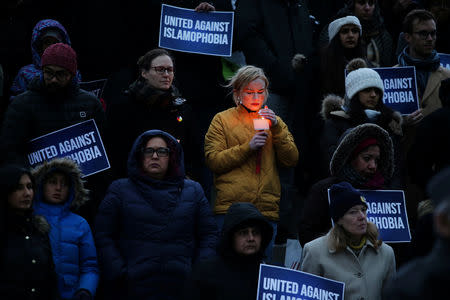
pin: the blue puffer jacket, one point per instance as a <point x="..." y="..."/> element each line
<point x="149" y="232"/>
<point x="73" y="248"/>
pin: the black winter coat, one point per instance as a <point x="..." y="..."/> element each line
<point x="26" y="263"/>
<point x="130" y="115"/>
<point x="34" y="113"/>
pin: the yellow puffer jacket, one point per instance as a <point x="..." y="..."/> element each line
<point x="228" y="155"/>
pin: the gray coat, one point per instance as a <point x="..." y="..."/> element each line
<point x="364" y="276"/>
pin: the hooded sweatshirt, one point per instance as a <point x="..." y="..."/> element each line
<point x="230" y="275"/>
<point x="73" y="248"/>
<point x="28" y="72"/>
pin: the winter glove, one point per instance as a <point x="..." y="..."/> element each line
<point x="82" y="294"/>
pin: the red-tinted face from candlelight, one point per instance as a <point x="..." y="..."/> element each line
<point x="253" y="95"/>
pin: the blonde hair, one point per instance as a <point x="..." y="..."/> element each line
<point x="243" y="77"/>
<point x="339" y="239"/>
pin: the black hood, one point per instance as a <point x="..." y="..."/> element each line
<point x="241" y="214"/>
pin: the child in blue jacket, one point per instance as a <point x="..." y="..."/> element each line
<point x="59" y="190"/>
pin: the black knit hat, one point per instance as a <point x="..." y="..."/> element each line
<point x="343" y="197"/>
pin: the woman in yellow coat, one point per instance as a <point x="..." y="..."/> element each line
<point x="244" y="157"/>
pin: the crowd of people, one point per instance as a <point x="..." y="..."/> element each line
<point x="214" y="161"/>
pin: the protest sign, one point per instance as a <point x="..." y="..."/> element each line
<point x="186" y="30"/>
<point x="400" y="88"/>
<point x="96" y="87"/>
<point x="445" y="60"/>
<point x="80" y="142"/>
<point x="387" y="210"/>
<point x="277" y="283"/>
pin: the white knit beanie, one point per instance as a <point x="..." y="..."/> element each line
<point x="336" y="25"/>
<point x="361" y="79"/>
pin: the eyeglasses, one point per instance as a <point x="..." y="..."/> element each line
<point x="424" y="34"/>
<point x="161" y="70"/>
<point x="160" y="152"/>
<point x="59" y="75"/>
<point x="347" y="30"/>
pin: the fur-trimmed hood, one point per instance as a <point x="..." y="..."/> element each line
<point x="78" y="195"/>
<point x="332" y="105"/>
<point x="353" y="137"/>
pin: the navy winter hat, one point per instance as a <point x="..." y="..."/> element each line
<point x="344" y="196"/>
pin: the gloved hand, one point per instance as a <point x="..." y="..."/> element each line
<point x="82" y="294"/>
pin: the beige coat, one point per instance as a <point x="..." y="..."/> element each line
<point x="228" y="155"/>
<point x="364" y="276"/>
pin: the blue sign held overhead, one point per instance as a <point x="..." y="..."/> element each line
<point x="445" y="60"/>
<point x="277" y="283"/>
<point x="80" y="142"/>
<point x="186" y="30"/>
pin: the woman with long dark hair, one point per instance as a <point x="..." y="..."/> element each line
<point x="344" y="45"/>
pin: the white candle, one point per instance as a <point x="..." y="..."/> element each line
<point x="261" y="124"/>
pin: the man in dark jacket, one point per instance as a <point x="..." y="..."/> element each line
<point x="53" y="101"/>
<point x="152" y="226"/>
<point x="233" y="274"/>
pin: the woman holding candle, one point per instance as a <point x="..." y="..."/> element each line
<point x="243" y="158"/>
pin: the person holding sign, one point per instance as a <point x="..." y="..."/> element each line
<point x="419" y="28"/>
<point x="351" y="251"/>
<point x="364" y="158"/>
<point x="59" y="191"/>
<point x="152" y="226"/>
<point x="243" y="146"/>
<point x="233" y="273"/>
<point x="53" y="101"/>
<point x="363" y="103"/>
<point x="26" y="265"/>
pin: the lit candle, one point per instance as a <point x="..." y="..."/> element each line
<point x="261" y="124"/>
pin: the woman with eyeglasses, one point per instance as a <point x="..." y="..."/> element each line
<point x="152" y="226"/>
<point x="245" y="145"/>
<point x="152" y="102"/>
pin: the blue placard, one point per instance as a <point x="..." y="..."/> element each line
<point x="445" y="60"/>
<point x="277" y="283"/>
<point x="400" y="88"/>
<point x="387" y="210"/>
<point x="80" y="142"/>
<point x="186" y="30"/>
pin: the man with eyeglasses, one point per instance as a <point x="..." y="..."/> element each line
<point x="419" y="28"/>
<point x="53" y="101"/>
<point x="152" y="226"/>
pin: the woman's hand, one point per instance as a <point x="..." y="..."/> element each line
<point x="205" y="6"/>
<point x="267" y="113"/>
<point x="258" y="140"/>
